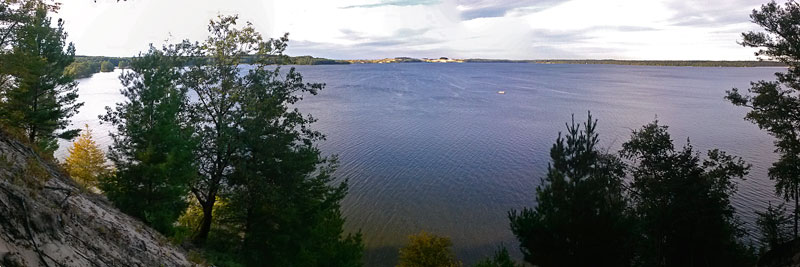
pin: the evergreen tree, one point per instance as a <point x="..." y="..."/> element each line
<point x="40" y="98"/>
<point x="152" y="145"/>
<point x="775" y="105"/>
<point x="501" y="258"/>
<point x="580" y="218"/>
<point x="259" y="153"/>
<point x="86" y="163"/>
<point x="290" y="212"/>
<point x="775" y="226"/>
<point x="682" y="203"/>
<point x="427" y="250"/>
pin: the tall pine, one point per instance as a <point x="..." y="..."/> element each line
<point x="581" y="214"/>
<point x="152" y="142"/>
<point x="40" y="98"/>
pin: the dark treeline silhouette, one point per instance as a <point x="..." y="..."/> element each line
<point x="674" y="210"/>
<point x="674" y="63"/>
<point x="775" y="105"/>
<point x="85" y="66"/>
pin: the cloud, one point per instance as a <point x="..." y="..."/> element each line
<point x="370" y="50"/>
<point x="383" y="3"/>
<point x="515" y="29"/>
<point x="711" y="13"/>
<point x="361" y="45"/>
<point x="474" y="9"/>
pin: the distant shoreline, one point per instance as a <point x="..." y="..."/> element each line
<point x="309" y="60"/>
<point x="669" y="63"/>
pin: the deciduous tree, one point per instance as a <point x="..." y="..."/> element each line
<point x="86" y="163"/>
<point x="427" y="250"/>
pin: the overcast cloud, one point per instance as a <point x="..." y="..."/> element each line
<point x="347" y="29"/>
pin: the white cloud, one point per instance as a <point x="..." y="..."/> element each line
<point x="623" y="29"/>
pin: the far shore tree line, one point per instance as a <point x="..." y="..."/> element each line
<point x="234" y="175"/>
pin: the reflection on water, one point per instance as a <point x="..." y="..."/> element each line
<point x="435" y="147"/>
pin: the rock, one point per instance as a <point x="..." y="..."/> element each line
<point x="45" y="220"/>
<point x="13" y="259"/>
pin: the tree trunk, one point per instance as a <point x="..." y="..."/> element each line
<point x="796" y="196"/>
<point x="32" y="135"/>
<point x="205" y="225"/>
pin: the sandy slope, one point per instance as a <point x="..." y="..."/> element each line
<point x="46" y="221"/>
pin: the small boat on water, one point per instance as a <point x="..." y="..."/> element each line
<point x="501" y="92"/>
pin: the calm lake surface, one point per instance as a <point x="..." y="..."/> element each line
<point x="434" y="147"/>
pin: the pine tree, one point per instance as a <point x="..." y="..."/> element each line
<point x="581" y="209"/>
<point x="86" y="163"/>
<point x="682" y="202"/>
<point x="775" y="105"/>
<point x="152" y="142"/>
<point x="501" y="258"/>
<point x="260" y="153"/>
<point x="41" y="97"/>
<point x="775" y="226"/>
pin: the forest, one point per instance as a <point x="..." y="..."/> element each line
<point x="234" y="176"/>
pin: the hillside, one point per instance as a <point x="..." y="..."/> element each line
<point x="45" y="220"/>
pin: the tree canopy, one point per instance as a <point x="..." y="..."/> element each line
<point x="775" y="105"/>
<point x="682" y="202"/>
<point x="38" y="98"/>
<point x="86" y="163"/>
<point x="427" y="250"/>
<point x="675" y="210"/>
<point x="152" y="146"/>
<point x="580" y="207"/>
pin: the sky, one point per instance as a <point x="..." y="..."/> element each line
<point x="372" y="29"/>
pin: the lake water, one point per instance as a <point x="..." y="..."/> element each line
<point x="434" y="147"/>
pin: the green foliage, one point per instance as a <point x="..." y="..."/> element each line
<point x="581" y="208"/>
<point x="427" y="250"/>
<point x="84" y="66"/>
<point x="283" y="210"/>
<point x="501" y="258"/>
<point x="215" y="79"/>
<point x="674" y="210"/>
<point x="82" y="69"/>
<point x="775" y="226"/>
<point x="106" y="66"/>
<point x="39" y="99"/>
<point x="123" y="64"/>
<point x="683" y="204"/>
<point x="152" y="146"/>
<point x="309" y="60"/>
<point x="775" y="105"/>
